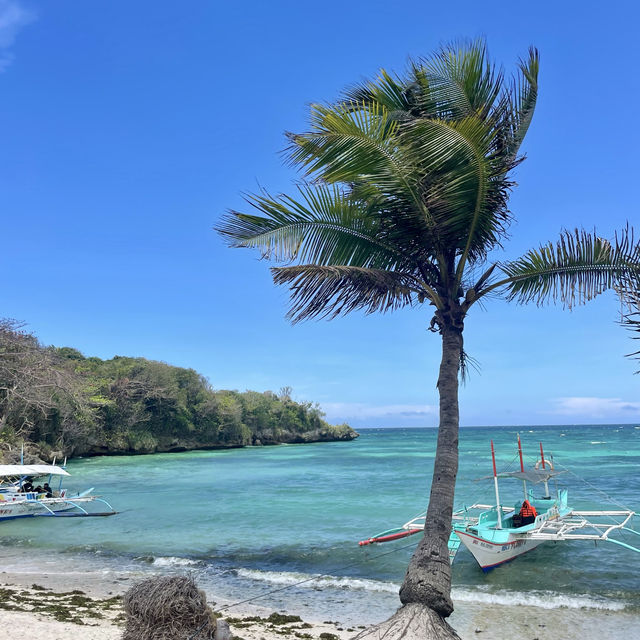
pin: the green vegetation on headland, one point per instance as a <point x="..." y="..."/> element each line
<point x="56" y="400"/>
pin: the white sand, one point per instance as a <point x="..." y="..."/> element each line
<point x="471" y="620"/>
<point x="33" y="626"/>
<point x="22" y="625"/>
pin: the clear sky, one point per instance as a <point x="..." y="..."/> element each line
<point x="129" y="127"/>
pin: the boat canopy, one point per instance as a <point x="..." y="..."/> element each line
<point x="531" y="475"/>
<point x="19" y="470"/>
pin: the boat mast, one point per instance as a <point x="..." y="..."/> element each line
<point x="546" y="482"/>
<point x="524" y="482"/>
<point x="495" y="483"/>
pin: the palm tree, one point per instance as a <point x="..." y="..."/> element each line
<point x="404" y="197"/>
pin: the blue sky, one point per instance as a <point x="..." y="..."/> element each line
<point x="128" y="128"/>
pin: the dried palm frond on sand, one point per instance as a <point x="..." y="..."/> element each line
<point x="168" y="608"/>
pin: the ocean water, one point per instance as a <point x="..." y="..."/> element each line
<point x="250" y="522"/>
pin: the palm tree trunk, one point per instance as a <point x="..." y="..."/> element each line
<point x="428" y="578"/>
<point x="426" y="591"/>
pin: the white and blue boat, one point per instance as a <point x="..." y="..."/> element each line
<point x="498" y="533"/>
<point x="22" y="496"/>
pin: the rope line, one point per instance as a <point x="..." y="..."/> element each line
<point x="199" y="630"/>
<point x="323" y="575"/>
<point x="596" y="489"/>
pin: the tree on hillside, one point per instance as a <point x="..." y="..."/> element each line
<point x="35" y="390"/>
<point x="407" y="180"/>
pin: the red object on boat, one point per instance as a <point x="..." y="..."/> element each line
<point x="393" y="536"/>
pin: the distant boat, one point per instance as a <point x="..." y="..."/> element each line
<point x="496" y="534"/>
<point x="20" y="497"/>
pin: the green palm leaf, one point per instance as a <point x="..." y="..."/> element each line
<point x="354" y="143"/>
<point x="630" y="295"/>
<point x="330" y="291"/>
<point x="522" y="105"/>
<point x="324" y="225"/>
<point x="461" y="80"/>
<point x="574" y="270"/>
<point x="387" y="92"/>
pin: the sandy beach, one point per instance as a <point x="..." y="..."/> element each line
<point x="86" y="606"/>
<point x="54" y="608"/>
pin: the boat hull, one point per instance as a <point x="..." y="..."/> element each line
<point x="17" y="506"/>
<point x="492" y="554"/>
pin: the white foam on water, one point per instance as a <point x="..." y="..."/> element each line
<point x="598" y="442"/>
<point x="540" y="599"/>
<point x="313" y="580"/>
<point x="172" y="561"/>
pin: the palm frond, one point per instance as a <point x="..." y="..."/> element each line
<point x="524" y="98"/>
<point x="461" y="178"/>
<point x="355" y="142"/>
<point x="386" y="91"/>
<point x="576" y="269"/>
<point x="630" y="298"/>
<point x="330" y="291"/>
<point x="461" y="80"/>
<point x="467" y="363"/>
<point x="324" y="225"/>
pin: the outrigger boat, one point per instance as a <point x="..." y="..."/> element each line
<point x="496" y="534"/>
<point x="19" y="500"/>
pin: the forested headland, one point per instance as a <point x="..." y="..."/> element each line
<point x="60" y="402"/>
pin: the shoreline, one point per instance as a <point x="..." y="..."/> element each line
<point x="49" y="609"/>
<point x="309" y="437"/>
<point x="87" y="593"/>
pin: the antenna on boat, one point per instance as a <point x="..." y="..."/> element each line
<point x="524" y="482"/>
<point x="495" y="483"/>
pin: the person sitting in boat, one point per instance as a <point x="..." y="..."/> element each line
<point x="528" y="513"/>
<point x="26" y="486"/>
<point x="38" y="490"/>
<point x="47" y="489"/>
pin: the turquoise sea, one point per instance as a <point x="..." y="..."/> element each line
<point x="250" y="521"/>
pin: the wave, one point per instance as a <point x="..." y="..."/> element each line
<point x="540" y="599"/>
<point x="598" y="442"/>
<point x="173" y="561"/>
<point x="291" y="578"/>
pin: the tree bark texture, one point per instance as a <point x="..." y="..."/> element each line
<point x="411" y="622"/>
<point x="428" y="578"/>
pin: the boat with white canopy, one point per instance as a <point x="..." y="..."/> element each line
<point x="22" y="495"/>
<point x="498" y="533"/>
